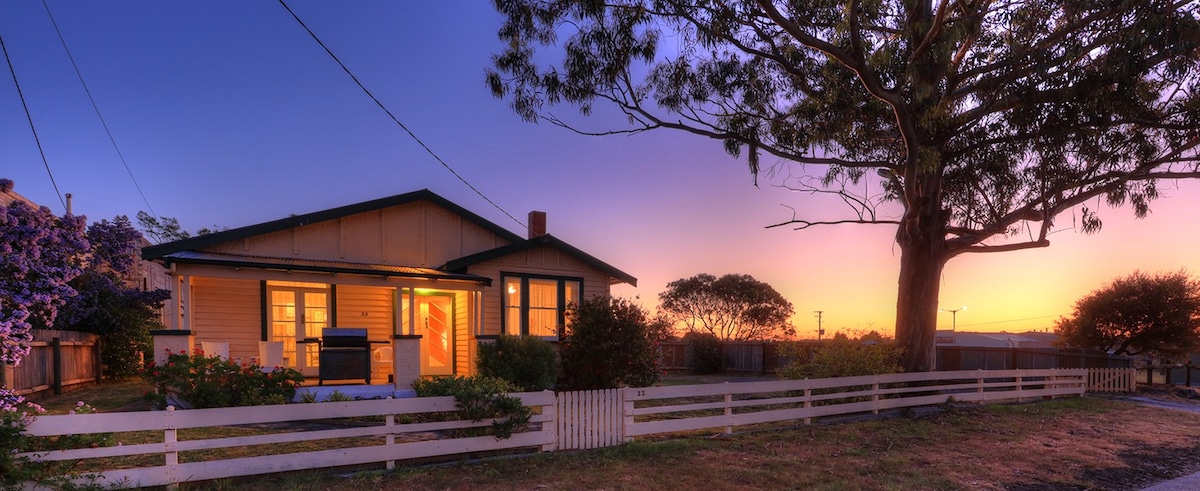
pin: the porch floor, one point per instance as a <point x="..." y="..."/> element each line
<point x="355" y="391"/>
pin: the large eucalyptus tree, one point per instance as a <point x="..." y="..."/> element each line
<point x="978" y="122"/>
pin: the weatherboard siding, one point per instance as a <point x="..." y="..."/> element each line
<point x="411" y="234"/>
<point x="227" y="310"/>
<point x="463" y="351"/>
<point x="366" y="307"/>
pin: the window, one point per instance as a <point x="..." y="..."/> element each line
<point x="536" y="305"/>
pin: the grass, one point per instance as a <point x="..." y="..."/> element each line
<point x="1071" y="443"/>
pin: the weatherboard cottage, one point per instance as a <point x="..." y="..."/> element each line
<point x="391" y="289"/>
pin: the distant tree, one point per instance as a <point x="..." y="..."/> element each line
<point x="105" y="304"/>
<point x="609" y="343"/>
<point x="976" y="123"/>
<point x="1156" y="316"/>
<point x="39" y="255"/>
<point x="734" y="307"/>
<point x="168" y="229"/>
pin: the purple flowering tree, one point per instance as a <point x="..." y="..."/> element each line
<point x="107" y="304"/>
<point x="39" y="254"/>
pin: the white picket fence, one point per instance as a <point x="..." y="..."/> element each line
<point x="1112" y="380"/>
<point x="574" y="420"/>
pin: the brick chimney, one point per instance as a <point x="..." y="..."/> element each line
<point x="537" y="224"/>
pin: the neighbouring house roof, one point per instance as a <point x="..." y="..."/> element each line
<point x="9" y="196"/>
<point x="462" y="263"/>
<point x="1032" y="339"/>
<point x="292" y="264"/>
<point x="208" y="240"/>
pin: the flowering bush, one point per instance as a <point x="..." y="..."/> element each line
<point x="15" y="416"/>
<point x="199" y="381"/>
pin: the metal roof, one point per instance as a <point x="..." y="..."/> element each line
<point x="293" y="264"/>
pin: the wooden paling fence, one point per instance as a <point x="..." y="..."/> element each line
<point x="385" y="431"/>
<point x="57" y="361"/>
<point x="1112" y="380"/>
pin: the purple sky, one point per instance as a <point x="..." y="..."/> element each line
<point x="229" y="114"/>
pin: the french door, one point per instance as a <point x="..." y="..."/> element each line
<point x="435" y="324"/>
<point x="298" y="312"/>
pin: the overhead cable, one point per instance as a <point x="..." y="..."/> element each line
<point x="394" y="118"/>
<point x="31" y="127"/>
<point x="97" y="108"/>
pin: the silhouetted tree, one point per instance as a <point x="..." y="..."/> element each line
<point x="734" y="307"/>
<point x="981" y="121"/>
<point x="1156" y="316"/>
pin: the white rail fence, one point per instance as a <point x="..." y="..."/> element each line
<point x="385" y="431"/>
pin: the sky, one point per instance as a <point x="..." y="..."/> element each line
<point x="228" y="113"/>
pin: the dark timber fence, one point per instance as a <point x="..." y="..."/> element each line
<point x="58" y="361"/>
<point x="764" y="357"/>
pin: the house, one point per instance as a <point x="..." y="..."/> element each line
<point x="423" y="278"/>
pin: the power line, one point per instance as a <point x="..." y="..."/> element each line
<point x="394" y="118"/>
<point x="31" y="127"/>
<point x="97" y="108"/>
<point x="1012" y="320"/>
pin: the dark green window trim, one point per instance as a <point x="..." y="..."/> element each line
<point x="560" y="316"/>
<point x="262" y="304"/>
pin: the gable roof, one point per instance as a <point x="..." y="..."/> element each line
<point x="460" y="265"/>
<point x="208" y="240"/>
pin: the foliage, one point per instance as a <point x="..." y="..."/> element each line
<point x="106" y="305"/>
<point x="734" y="307"/>
<point x="15" y="416"/>
<point x="1149" y="315"/>
<point x="842" y="357"/>
<point x="201" y="381"/>
<point x="702" y="352"/>
<point x="528" y="362"/>
<point x="479" y="398"/>
<point x="611" y="342"/>
<point x="39" y="255"/>
<point x="967" y="126"/>
<point x="168" y="229"/>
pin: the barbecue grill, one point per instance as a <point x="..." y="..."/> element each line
<point x="345" y="354"/>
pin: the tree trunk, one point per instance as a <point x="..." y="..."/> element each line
<point x="922" y="240"/>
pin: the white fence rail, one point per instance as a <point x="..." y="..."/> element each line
<point x="575" y="420"/>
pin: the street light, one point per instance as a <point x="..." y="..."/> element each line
<point x="954" y="317"/>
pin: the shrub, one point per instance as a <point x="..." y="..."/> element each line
<point x="528" y="362"/>
<point x="702" y="352"/>
<point x="478" y="398"/>
<point x="610" y="342"/>
<point x="200" y="381"/>
<point x="838" y="358"/>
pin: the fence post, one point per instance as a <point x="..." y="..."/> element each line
<point x="171" y="452"/>
<point x="389" y="421"/>
<point x="1187" y="378"/>
<point x="979" y="384"/>
<point x="728" y="410"/>
<point x="1149" y="375"/>
<point x="1020" y="380"/>
<point x="56" y="364"/>
<point x="627" y="415"/>
<point x="875" y="396"/>
<point x="807" y="403"/>
<point x="99" y="366"/>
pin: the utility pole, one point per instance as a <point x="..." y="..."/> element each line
<point x="820" y="330"/>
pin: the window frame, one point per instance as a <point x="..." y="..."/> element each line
<point x="560" y="294"/>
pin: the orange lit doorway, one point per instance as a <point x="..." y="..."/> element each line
<point x="435" y="324"/>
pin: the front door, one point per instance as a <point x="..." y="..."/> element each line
<point x="435" y="324"/>
<point x="298" y="313"/>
